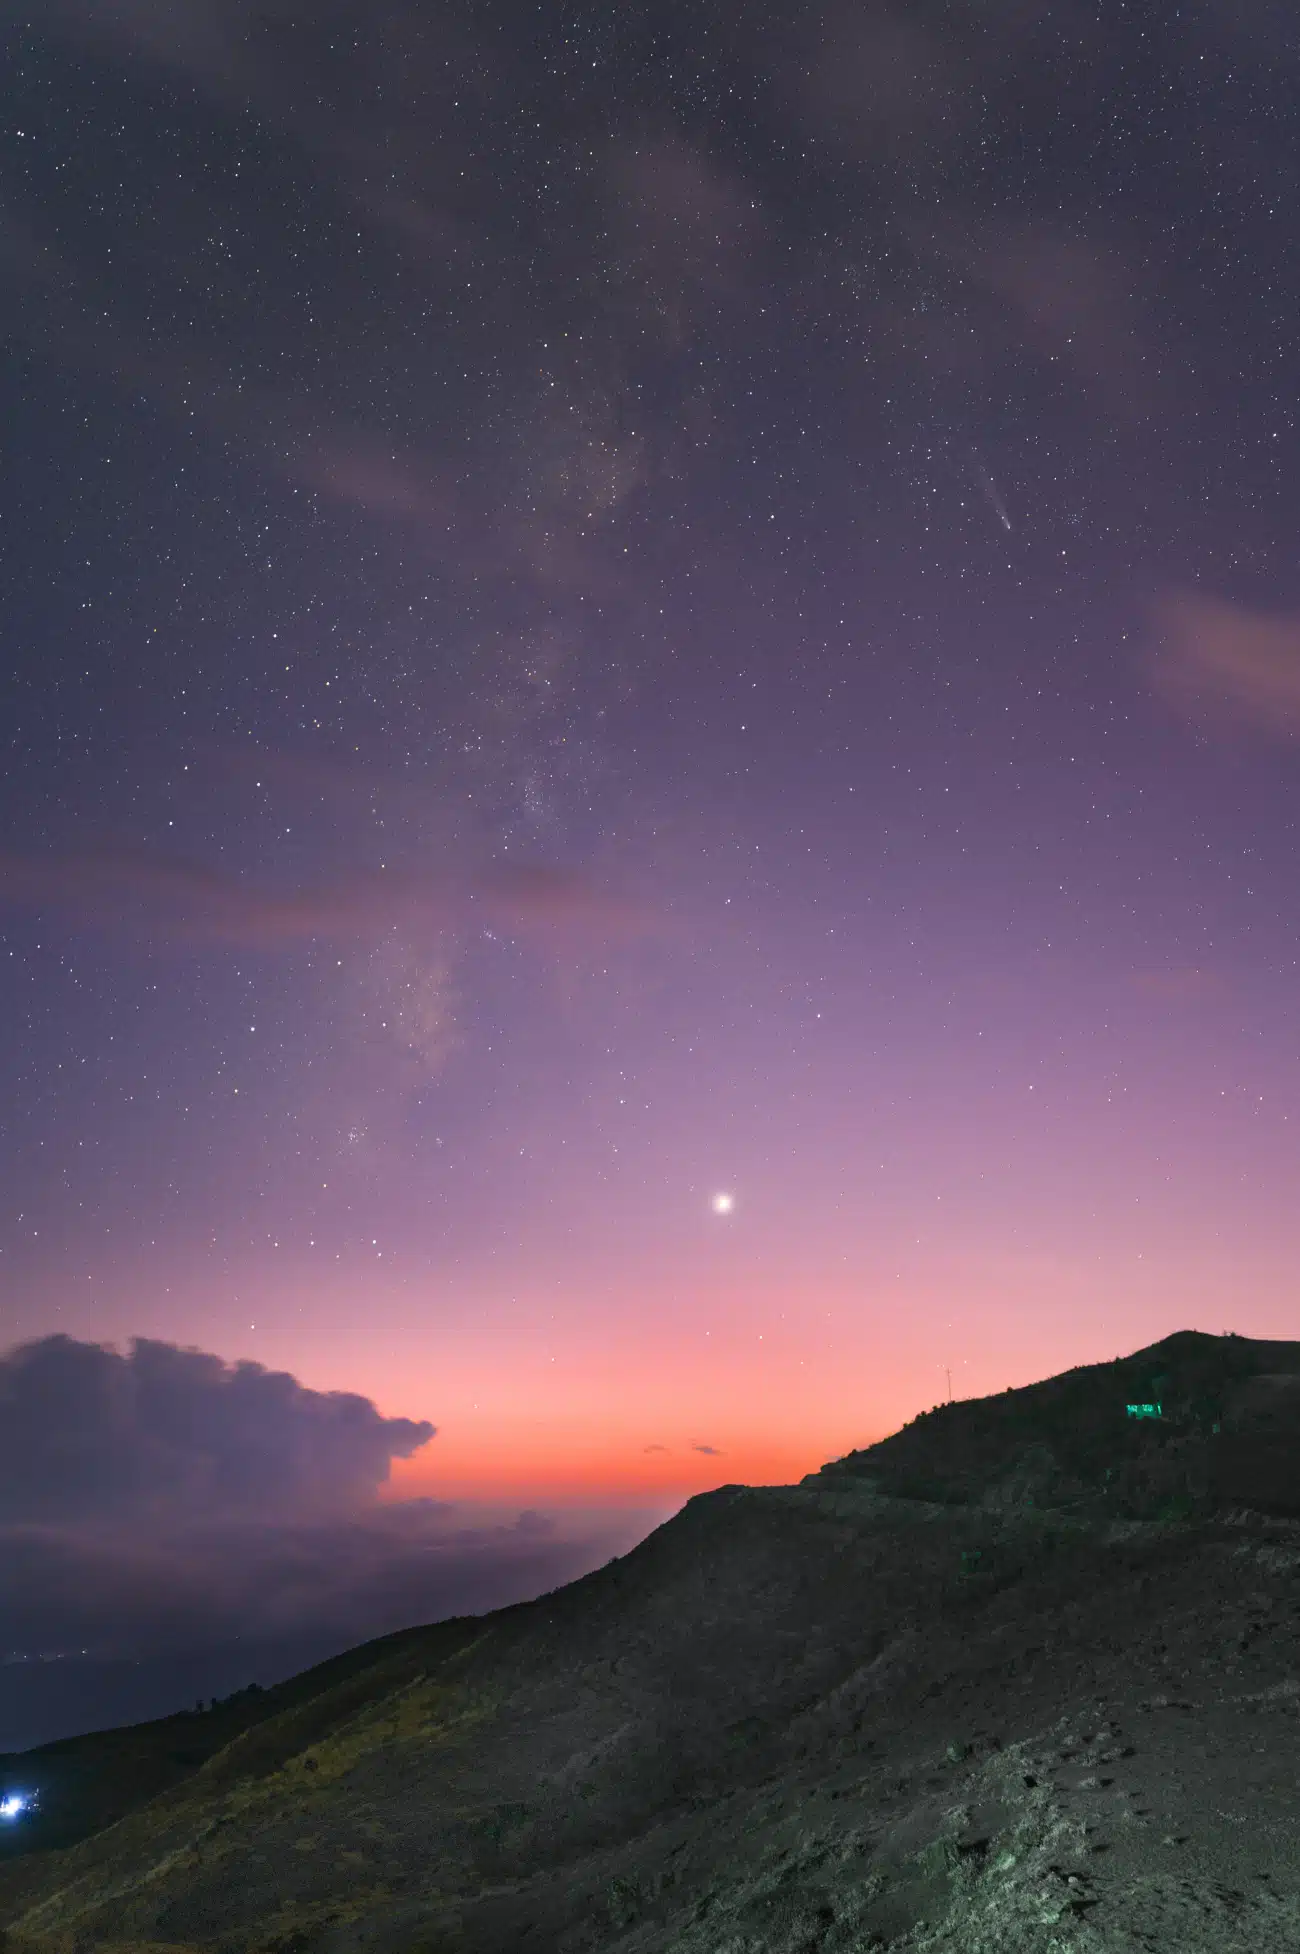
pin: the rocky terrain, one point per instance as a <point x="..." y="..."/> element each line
<point x="1023" y="1677"/>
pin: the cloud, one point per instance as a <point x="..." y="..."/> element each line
<point x="186" y="902"/>
<point x="1187" y="986"/>
<point x="294" y="432"/>
<point x="686" y="230"/>
<point x="654" y="1448"/>
<point x="1212" y="653"/>
<point x="905" y="87"/>
<point x="118" y="1590"/>
<point x="354" y="466"/>
<point x="411" y="936"/>
<point x="161" y="1498"/>
<point x="411" y="175"/>
<point x="541" y="902"/>
<point x="882" y="79"/>
<point x="263" y="56"/>
<point x="1062" y="295"/>
<point x="202" y="37"/>
<point x="952" y="280"/>
<point x="709" y="1451"/>
<point x="88" y="1432"/>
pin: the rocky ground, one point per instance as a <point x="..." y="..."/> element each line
<point x="1055" y="1706"/>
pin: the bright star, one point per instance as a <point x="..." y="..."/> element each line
<point x="723" y="1203"/>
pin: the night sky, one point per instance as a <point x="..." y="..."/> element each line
<point x="608" y="606"/>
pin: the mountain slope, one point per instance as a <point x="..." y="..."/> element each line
<point x="799" y="1719"/>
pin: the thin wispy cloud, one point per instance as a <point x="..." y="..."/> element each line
<point x="186" y="902"/>
<point x="1213" y="655"/>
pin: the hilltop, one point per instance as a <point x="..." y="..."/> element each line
<point x="1195" y="1423"/>
<point x="1024" y="1676"/>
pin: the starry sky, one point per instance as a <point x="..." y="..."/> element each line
<point x="610" y="605"/>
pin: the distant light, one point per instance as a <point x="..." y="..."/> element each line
<point x="723" y="1203"/>
<point x="14" y="1804"/>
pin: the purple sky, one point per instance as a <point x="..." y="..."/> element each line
<point x="610" y="608"/>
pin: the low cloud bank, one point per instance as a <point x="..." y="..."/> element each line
<point x="161" y="1501"/>
<point x="131" y="1592"/>
<point x="90" y="1434"/>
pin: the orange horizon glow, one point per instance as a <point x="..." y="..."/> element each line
<point x="639" y="1389"/>
<point x="582" y="1467"/>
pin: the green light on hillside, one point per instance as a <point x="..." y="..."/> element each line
<point x="1143" y="1410"/>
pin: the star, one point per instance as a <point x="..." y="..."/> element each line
<point x="723" y="1203"/>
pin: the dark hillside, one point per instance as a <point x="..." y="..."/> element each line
<point x="86" y="1783"/>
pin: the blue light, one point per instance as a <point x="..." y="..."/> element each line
<point x="14" y="1804"/>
